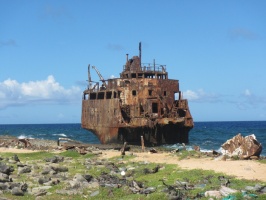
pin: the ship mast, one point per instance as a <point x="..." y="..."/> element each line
<point x="89" y="76"/>
<point x="140" y="53"/>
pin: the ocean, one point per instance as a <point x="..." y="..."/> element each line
<point x="208" y="135"/>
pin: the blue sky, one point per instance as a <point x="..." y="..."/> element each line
<point x="216" y="49"/>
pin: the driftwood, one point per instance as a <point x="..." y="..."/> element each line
<point x="25" y="141"/>
<point x="123" y="149"/>
<point x="65" y="139"/>
<point x="142" y="144"/>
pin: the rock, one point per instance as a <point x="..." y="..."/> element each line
<point x="95" y="193"/>
<point x="22" y="170"/>
<point x="6" y="169"/>
<point x="225" y="191"/>
<point x="59" y="168"/>
<point x="43" y="180"/>
<point x="148" y="190"/>
<point x="213" y="193"/>
<point x="15" y="157"/>
<point x="4" y="186"/>
<point x="37" y="191"/>
<point x="17" y="191"/>
<point x="55" y="159"/>
<point x="4" y="178"/>
<point x="79" y="178"/>
<point x="88" y="177"/>
<point x="24" y="187"/>
<point x="243" y="147"/>
<point x="263" y="190"/>
<point x="254" y="157"/>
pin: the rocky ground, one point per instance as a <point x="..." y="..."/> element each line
<point x="55" y="170"/>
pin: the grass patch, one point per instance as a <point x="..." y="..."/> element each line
<point x="185" y="154"/>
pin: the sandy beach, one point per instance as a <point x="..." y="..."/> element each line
<point x="242" y="169"/>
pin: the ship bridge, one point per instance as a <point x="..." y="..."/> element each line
<point x="135" y="69"/>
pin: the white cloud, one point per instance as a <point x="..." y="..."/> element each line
<point x="200" y="95"/>
<point x="14" y="93"/>
<point x="190" y="95"/>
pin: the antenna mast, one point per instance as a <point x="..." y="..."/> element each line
<point x="140" y="52"/>
<point x="89" y="76"/>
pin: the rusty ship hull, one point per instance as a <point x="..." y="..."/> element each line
<point x="142" y="102"/>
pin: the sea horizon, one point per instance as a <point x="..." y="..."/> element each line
<point x="80" y="122"/>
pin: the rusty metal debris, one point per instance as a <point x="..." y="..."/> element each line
<point x="142" y="102"/>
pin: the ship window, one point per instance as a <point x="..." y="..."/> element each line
<point x="127" y="82"/>
<point x="108" y="95"/>
<point x="140" y="75"/>
<point x="141" y="109"/>
<point x="114" y="94"/>
<point x="101" y="95"/>
<point x="154" y="108"/>
<point x="134" y="92"/>
<point x="164" y="93"/>
<point x="86" y="96"/>
<point x="92" y="96"/>
<point x="150" y="92"/>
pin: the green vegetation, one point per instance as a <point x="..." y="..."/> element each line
<point x="166" y="176"/>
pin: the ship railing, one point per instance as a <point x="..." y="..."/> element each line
<point x="148" y="67"/>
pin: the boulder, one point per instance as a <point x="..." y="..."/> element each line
<point x="6" y="169"/>
<point x="243" y="147"/>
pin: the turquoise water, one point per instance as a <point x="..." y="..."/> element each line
<point x="207" y="135"/>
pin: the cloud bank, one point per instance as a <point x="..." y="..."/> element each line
<point x="201" y="96"/>
<point x="243" y="101"/>
<point x="13" y="93"/>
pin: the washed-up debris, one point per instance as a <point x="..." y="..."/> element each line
<point x="123" y="149"/>
<point x="197" y="148"/>
<point x="242" y="147"/>
<point x="151" y="171"/>
<point x="153" y="150"/>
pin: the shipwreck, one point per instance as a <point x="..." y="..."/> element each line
<point x="143" y="102"/>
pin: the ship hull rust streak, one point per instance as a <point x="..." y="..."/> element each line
<point x="142" y="102"/>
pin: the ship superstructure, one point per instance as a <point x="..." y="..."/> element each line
<point x="142" y="102"/>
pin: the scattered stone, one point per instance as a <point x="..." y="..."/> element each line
<point x="6" y="169"/>
<point x="15" y="157"/>
<point x="43" y="180"/>
<point x="58" y="168"/>
<point x="213" y="193"/>
<point x="55" y="159"/>
<point x="225" y="191"/>
<point x="175" y="151"/>
<point x="153" y="150"/>
<point x="4" y="178"/>
<point x="22" y="170"/>
<point x="17" y="191"/>
<point x="95" y="193"/>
